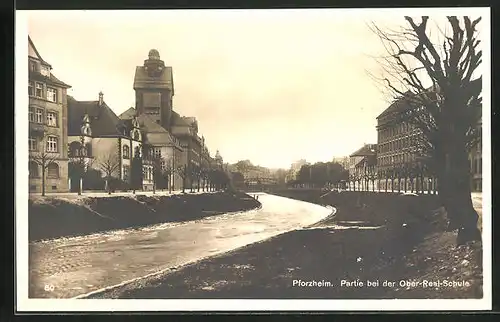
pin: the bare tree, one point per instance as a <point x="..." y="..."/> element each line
<point x="80" y="163"/>
<point x="168" y="171"/>
<point x="372" y="176"/>
<point x="43" y="159"/>
<point x="441" y="97"/>
<point x="183" y="172"/>
<point x="109" y="164"/>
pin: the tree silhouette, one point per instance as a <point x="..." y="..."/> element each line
<point x="43" y="159"/>
<point x="109" y="164"/>
<point x="183" y="172"/>
<point x="441" y="97"/>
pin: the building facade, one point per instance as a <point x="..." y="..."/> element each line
<point x="154" y="88"/>
<point x="109" y="143"/>
<point x="476" y="162"/>
<point x="47" y="114"/>
<point x="362" y="168"/>
<point x="401" y="167"/>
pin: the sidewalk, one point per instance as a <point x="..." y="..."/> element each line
<point x="102" y="194"/>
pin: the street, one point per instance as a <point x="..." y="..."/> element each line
<point x="72" y="267"/>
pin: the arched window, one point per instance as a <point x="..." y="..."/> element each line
<point x="126" y="152"/>
<point x="75" y="149"/>
<point x="33" y="169"/>
<point x="53" y="170"/>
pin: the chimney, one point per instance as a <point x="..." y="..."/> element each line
<point x="101" y="98"/>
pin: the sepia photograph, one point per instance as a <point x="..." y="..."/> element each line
<point x="249" y="160"/>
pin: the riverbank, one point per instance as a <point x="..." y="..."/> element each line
<point x="61" y="216"/>
<point x="397" y="240"/>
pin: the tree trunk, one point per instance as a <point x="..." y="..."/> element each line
<point x="43" y="179"/>
<point x="455" y="192"/>
<point x="108" y="186"/>
<point x="80" y="186"/>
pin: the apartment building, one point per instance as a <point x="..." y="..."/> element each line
<point x="47" y="138"/>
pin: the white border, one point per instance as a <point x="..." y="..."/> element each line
<point x="25" y="304"/>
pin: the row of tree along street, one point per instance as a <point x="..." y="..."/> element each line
<point x="411" y="176"/>
<point x="102" y="177"/>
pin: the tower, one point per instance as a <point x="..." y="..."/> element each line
<point x="154" y="89"/>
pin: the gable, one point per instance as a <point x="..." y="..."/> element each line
<point x="32" y="52"/>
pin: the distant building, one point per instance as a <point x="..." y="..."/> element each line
<point x="343" y="161"/>
<point x="400" y="165"/>
<point x="294" y="170"/>
<point x="47" y="114"/>
<point x="362" y="167"/>
<point x="476" y="163"/>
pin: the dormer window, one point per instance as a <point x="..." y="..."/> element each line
<point x="45" y="71"/>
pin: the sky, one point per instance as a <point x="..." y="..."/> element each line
<point x="270" y="86"/>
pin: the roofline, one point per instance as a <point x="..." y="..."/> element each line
<point x="36" y="51"/>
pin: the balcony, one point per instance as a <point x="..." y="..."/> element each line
<point x="37" y="128"/>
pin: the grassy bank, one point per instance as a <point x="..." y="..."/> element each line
<point x="372" y="237"/>
<point x="53" y="217"/>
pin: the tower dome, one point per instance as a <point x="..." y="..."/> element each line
<point x="154" y="54"/>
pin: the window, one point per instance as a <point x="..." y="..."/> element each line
<point x="51" y="119"/>
<point x="51" y="144"/>
<point x="125" y="172"/>
<point x="31" y="88"/>
<point x="52" y="94"/>
<point x="74" y="149"/>
<point x="126" y="152"/>
<point x="31" y="114"/>
<point x="32" y="144"/>
<point x="157" y="152"/>
<point x="32" y="66"/>
<point x="53" y="170"/>
<point x="33" y="169"/>
<point x="39" y="90"/>
<point x="39" y="115"/>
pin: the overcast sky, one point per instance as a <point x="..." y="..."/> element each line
<point x="271" y="86"/>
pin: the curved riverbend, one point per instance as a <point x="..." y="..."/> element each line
<point x="80" y="266"/>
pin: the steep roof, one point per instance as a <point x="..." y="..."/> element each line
<point x="177" y="120"/>
<point x="33" y="52"/>
<point x="128" y="114"/>
<point x="103" y="121"/>
<point x="154" y="133"/>
<point x="366" y="150"/>
<point x="34" y="75"/>
<point x="475" y="85"/>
